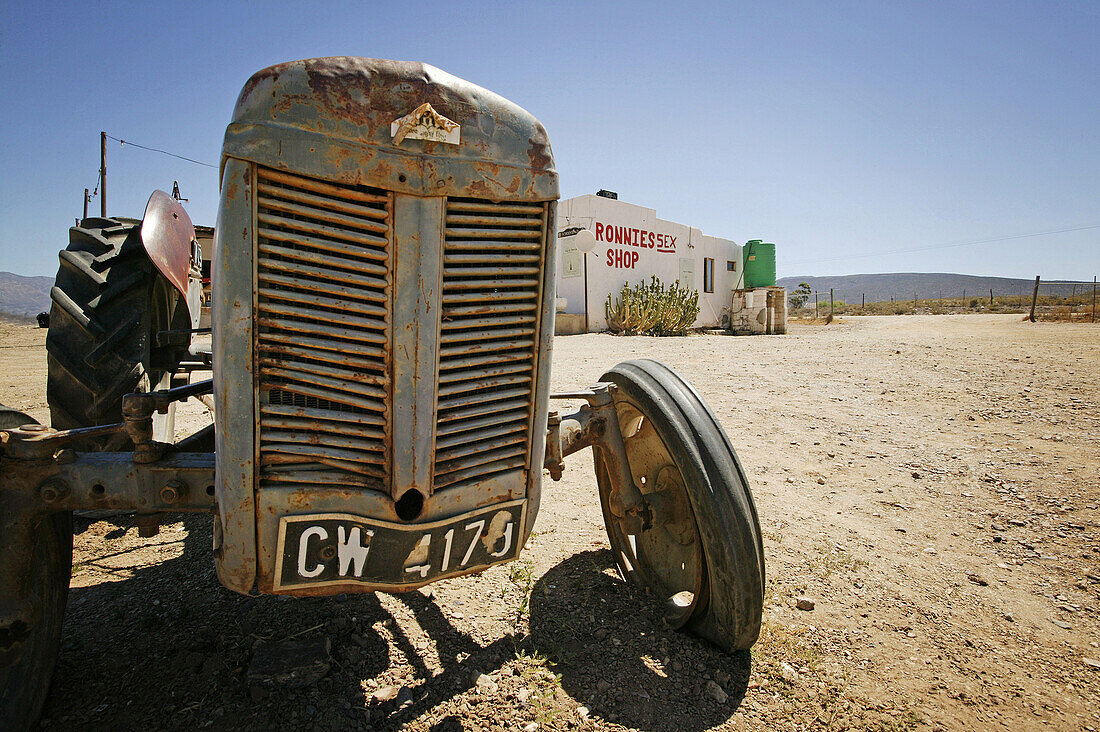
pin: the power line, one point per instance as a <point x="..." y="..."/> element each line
<point x="162" y="152"/>
<point x="95" y="188"/>
<point x="946" y="246"/>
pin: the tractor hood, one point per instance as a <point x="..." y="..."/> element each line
<point x="366" y="122"/>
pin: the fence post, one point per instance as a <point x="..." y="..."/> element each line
<point x="1094" y="298"/>
<point x="1034" y="297"/>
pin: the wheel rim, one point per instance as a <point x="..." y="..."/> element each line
<point x="665" y="560"/>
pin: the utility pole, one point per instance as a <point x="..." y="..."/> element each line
<point x="991" y="296"/>
<point x="830" y="302"/>
<point x="103" y="174"/>
<point x="816" y="311"/>
<point x="863" y="300"/>
<point x="1034" y="297"/>
<point x="1094" y="298"/>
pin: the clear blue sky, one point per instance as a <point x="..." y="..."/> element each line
<point x="833" y="129"/>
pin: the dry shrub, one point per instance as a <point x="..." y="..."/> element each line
<point x="1064" y="314"/>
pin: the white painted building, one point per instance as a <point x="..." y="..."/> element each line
<point x="632" y="245"/>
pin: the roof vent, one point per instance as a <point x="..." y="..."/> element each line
<point x="603" y="193"/>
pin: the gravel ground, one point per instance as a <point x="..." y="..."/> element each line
<point x="930" y="483"/>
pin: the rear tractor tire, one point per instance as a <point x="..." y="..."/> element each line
<point x="701" y="557"/>
<point x="109" y="302"/>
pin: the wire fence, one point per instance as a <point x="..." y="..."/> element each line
<point x="1076" y="302"/>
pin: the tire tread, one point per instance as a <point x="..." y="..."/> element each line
<point x="97" y="345"/>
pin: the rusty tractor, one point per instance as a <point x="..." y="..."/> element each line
<point x="382" y="315"/>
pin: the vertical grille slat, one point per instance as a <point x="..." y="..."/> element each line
<point x="493" y="266"/>
<point x="323" y="317"/>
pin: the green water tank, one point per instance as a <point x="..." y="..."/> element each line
<point x="759" y="259"/>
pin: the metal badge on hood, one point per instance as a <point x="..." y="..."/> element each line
<point x="424" y="123"/>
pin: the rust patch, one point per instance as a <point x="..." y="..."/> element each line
<point x="271" y="72"/>
<point x="539" y="152"/>
<point x="330" y="83"/>
<point x="478" y="189"/>
<point x="299" y="500"/>
<point x="285" y="102"/>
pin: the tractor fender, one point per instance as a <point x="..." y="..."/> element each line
<point x="169" y="239"/>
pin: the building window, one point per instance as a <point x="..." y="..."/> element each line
<point x="708" y="274"/>
<point x="731" y="266"/>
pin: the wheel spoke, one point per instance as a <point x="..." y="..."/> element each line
<point x="666" y="559"/>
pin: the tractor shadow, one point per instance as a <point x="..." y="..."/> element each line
<point x="165" y="646"/>
<point x="616" y="655"/>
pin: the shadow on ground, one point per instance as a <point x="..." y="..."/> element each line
<point x="167" y="647"/>
<point x="616" y="656"/>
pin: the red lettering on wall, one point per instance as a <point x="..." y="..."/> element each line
<point x="638" y="238"/>
<point x="622" y="259"/>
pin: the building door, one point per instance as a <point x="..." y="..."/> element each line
<point x="687" y="274"/>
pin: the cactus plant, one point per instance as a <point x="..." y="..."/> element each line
<point x="652" y="309"/>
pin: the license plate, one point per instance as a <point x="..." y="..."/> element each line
<point x="315" y="550"/>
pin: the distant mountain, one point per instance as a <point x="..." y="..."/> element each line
<point x="24" y="296"/>
<point x="927" y="285"/>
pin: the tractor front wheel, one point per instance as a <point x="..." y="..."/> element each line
<point x="700" y="555"/>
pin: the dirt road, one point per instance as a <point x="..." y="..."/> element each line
<point x="931" y="483"/>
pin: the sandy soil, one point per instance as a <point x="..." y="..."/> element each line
<point x="931" y="482"/>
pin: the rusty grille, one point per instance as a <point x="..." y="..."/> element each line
<point x="492" y="287"/>
<point x="322" y="315"/>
